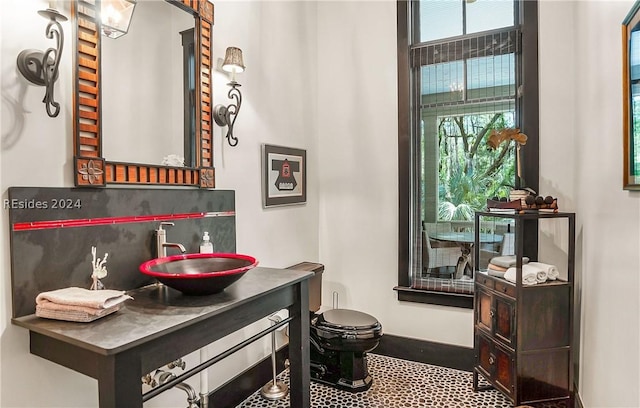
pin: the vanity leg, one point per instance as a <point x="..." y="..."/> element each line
<point x="119" y="383"/>
<point x="299" y="371"/>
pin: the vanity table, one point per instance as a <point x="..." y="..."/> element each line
<point x="161" y="325"/>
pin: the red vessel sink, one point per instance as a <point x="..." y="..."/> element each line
<point x="199" y="274"/>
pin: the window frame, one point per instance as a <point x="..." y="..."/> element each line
<point x="529" y="123"/>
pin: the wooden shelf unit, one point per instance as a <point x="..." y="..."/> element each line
<point x="523" y="334"/>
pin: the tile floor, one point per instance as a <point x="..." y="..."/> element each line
<point x="399" y="383"/>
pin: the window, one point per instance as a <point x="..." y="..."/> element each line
<point x="465" y="69"/>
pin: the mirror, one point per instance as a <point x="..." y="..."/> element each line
<point x="631" y="98"/>
<point x="150" y="131"/>
<point x="111" y="116"/>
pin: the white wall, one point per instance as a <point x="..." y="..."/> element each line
<point x="581" y="162"/>
<point x="338" y="100"/>
<point x="278" y="40"/>
<point x="36" y="151"/>
<point x="279" y="107"/>
<point x="357" y="108"/>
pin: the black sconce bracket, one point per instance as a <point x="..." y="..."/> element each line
<point x="226" y="115"/>
<point x="41" y="68"/>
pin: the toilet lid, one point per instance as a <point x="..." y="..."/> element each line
<point x="346" y="319"/>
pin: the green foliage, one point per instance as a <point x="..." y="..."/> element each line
<point x="469" y="172"/>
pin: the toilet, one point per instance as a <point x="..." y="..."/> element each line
<point x="340" y="339"/>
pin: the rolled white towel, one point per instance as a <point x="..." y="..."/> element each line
<point x="529" y="275"/>
<point x="541" y="274"/>
<point x="552" y="270"/>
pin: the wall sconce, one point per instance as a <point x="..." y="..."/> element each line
<point x="226" y="115"/>
<point x="41" y="68"/>
<point x="116" y="17"/>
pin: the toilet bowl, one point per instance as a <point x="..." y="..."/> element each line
<point x="340" y="340"/>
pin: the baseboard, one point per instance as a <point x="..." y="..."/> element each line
<point x="239" y="388"/>
<point x="428" y="352"/>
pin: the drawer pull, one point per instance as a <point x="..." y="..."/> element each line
<point x="504" y="289"/>
<point x="492" y="312"/>
<point x="492" y="360"/>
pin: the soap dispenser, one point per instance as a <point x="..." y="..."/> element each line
<point x="206" y="247"/>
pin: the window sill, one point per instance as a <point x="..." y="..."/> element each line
<point x="407" y="294"/>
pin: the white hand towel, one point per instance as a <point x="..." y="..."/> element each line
<point x="96" y="299"/>
<point x="552" y="270"/>
<point x="55" y="311"/>
<point x="529" y="275"/>
<point x="494" y="270"/>
<point x="507" y="261"/>
<point x="93" y="311"/>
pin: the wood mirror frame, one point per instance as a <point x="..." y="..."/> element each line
<point x="630" y="78"/>
<point x="91" y="168"/>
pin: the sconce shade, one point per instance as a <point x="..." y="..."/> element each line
<point x="233" y="60"/>
<point x="116" y="17"/>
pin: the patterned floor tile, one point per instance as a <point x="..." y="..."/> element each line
<point x="398" y="384"/>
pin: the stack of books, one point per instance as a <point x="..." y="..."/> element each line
<point x="504" y="207"/>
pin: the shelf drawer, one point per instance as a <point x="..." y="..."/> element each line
<point x="484" y="280"/>
<point x="496" y="363"/>
<point x="505" y="288"/>
<point x="504" y="377"/>
<point x="504" y="326"/>
<point x="484" y="312"/>
<point x="495" y="315"/>
<point x="485" y="361"/>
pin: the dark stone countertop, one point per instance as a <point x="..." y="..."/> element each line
<point x="157" y="310"/>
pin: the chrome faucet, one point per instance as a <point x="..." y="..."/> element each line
<point x="161" y="241"/>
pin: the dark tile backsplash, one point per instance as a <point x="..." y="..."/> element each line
<point x="49" y="252"/>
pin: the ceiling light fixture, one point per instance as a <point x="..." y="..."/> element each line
<point x="116" y="16"/>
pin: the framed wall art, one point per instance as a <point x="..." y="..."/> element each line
<point x="284" y="176"/>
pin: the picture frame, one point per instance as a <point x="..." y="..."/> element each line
<point x="284" y="176"/>
<point x="631" y="98"/>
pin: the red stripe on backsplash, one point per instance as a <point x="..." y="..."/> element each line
<point x="90" y="222"/>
